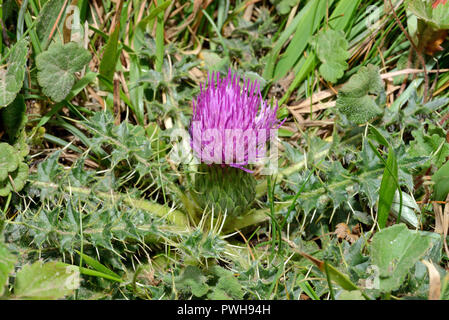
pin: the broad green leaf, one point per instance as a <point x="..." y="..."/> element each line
<point x="354" y="98"/>
<point x="7" y="262"/>
<point x="441" y="179"/>
<point x="9" y="160"/>
<point x="227" y="287"/>
<point x="438" y="17"/>
<point x="192" y="280"/>
<point x="350" y="295"/>
<point x="11" y="79"/>
<point x="47" y="19"/>
<point x="332" y="50"/>
<point x="13" y="117"/>
<point x="284" y="6"/>
<point x="394" y="251"/>
<point x="429" y="144"/>
<point x="19" y="177"/>
<point x="57" y="67"/>
<point x="51" y="280"/>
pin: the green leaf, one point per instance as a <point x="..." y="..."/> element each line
<point x="97" y="265"/>
<point x="394" y="251"/>
<point x="311" y="16"/>
<point x="13" y="117"/>
<point x="19" y="178"/>
<point x="56" y="68"/>
<point x="227" y="287"/>
<point x="354" y="98"/>
<point x="441" y="179"/>
<point x="284" y="6"/>
<point x="11" y="79"/>
<point x="47" y="19"/>
<point x="7" y="262"/>
<point x="51" y="280"/>
<point x="387" y="190"/>
<point x="111" y="54"/>
<point x="429" y="143"/>
<point x="438" y="17"/>
<point x="192" y="280"/>
<point x="332" y="50"/>
<point x="9" y="160"/>
<point x="350" y="295"/>
<point x="409" y="207"/>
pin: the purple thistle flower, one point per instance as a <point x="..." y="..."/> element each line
<point x="231" y="123"/>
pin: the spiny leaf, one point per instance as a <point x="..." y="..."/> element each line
<point x="354" y="99"/>
<point x="56" y="68"/>
<point x="11" y="80"/>
<point x="332" y="50"/>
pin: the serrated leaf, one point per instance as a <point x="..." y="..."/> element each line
<point x="7" y="262"/>
<point x="11" y="79"/>
<point x="49" y="281"/>
<point x="354" y="98"/>
<point x="394" y="251"/>
<point x="56" y="68"/>
<point x="332" y="50"/>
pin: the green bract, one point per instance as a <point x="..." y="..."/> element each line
<point x="224" y="189"/>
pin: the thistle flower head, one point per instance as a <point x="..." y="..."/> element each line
<point x="231" y="123"/>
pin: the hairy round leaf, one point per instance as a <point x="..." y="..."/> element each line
<point x="9" y="160"/>
<point x="57" y="67"/>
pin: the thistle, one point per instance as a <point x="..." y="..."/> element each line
<point x="230" y="126"/>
